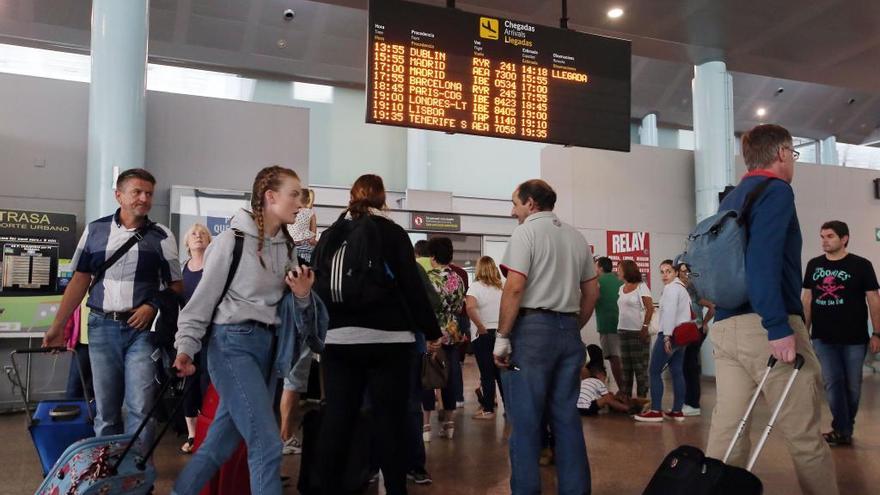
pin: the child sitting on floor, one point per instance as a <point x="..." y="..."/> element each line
<point x="594" y="394"/>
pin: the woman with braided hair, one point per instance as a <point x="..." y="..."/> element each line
<point x="243" y="323"/>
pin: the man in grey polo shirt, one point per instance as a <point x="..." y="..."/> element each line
<point x="549" y="296"/>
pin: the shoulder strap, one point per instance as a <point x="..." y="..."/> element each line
<point x="237" y="249"/>
<point x="751" y="199"/>
<point x="138" y="235"/>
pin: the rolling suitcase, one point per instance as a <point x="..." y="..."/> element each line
<point x="108" y="465"/>
<point x="686" y="470"/>
<point x="55" y="424"/>
<point x="234" y="477"/>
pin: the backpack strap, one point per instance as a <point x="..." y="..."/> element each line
<point x="751" y="199"/>
<point x="138" y="236"/>
<point x="237" y="250"/>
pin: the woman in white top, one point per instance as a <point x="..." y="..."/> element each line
<point x="635" y="307"/>
<point x="483" y="307"/>
<point x="675" y="309"/>
<point x="304" y="229"/>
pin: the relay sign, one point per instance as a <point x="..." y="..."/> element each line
<point x="447" y="70"/>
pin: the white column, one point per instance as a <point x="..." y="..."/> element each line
<point x="713" y="135"/>
<point x="117" y="98"/>
<point x="416" y="159"/>
<point x="828" y="150"/>
<point x="648" y="130"/>
<point x="713" y="149"/>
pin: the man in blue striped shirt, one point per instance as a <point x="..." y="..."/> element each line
<point x="123" y="303"/>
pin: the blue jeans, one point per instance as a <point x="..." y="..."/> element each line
<point x="239" y="361"/>
<point x="842" y="373"/>
<point x="659" y="358"/>
<point x="545" y="370"/>
<point x="123" y="376"/>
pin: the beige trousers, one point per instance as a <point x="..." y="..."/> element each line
<point x="741" y="354"/>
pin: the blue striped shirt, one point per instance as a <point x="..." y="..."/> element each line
<point x="136" y="277"/>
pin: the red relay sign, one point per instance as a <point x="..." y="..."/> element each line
<point x="634" y="246"/>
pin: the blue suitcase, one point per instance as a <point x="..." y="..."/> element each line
<point x="109" y="465"/>
<point x="56" y="424"/>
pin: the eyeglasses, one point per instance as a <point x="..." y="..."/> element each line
<point x="794" y="153"/>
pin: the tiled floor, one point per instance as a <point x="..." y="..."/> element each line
<point x="623" y="454"/>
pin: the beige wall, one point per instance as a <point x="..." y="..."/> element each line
<point x="191" y="140"/>
<point x="649" y="189"/>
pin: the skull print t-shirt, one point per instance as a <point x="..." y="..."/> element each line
<point x="839" y="310"/>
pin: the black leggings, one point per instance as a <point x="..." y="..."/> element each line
<point x="383" y="370"/>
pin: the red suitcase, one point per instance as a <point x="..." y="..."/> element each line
<point x="234" y="477"/>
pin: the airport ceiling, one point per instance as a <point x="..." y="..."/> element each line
<point x="824" y="53"/>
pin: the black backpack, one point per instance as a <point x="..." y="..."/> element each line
<point x="350" y="271"/>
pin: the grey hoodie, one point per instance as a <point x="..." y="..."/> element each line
<point x="253" y="295"/>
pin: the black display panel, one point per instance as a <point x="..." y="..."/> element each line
<point x="447" y="70"/>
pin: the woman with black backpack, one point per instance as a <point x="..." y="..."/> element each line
<point x="367" y="275"/>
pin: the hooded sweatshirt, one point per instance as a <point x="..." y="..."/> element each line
<point x="253" y="295"/>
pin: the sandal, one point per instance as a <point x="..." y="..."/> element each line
<point x="187" y="446"/>
<point x="835" y="437"/>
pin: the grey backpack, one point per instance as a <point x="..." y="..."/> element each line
<point x="715" y="254"/>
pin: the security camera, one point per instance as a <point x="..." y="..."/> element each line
<point x="289" y="14"/>
<point x="780" y="91"/>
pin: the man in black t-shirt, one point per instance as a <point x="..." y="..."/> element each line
<point x="836" y="286"/>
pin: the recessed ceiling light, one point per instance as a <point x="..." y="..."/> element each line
<point x="615" y="13"/>
<point x="761" y="112"/>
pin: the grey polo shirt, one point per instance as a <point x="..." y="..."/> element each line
<point x="554" y="257"/>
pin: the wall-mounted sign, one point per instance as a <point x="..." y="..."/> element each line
<point x="447" y="70"/>
<point x="26" y="225"/>
<point x="217" y="225"/>
<point x="634" y="246"/>
<point x="29" y="266"/>
<point x="34" y="247"/>
<point x="435" y="222"/>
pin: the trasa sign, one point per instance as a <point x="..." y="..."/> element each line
<point x="23" y="217"/>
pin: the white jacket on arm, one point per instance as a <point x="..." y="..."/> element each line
<point x="675" y="307"/>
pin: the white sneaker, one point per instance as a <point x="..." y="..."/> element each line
<point x="459" y="404"/>
<point x="292" y="446"/>
<point x="690" y="411"/>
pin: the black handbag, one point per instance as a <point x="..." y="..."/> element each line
<point x="435" y="370"/>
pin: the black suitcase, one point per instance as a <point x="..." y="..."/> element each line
<point x="686" y="470"/>
<point x="356" y="470"/>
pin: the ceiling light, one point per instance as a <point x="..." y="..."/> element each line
<point x="615" y="13"/>
<point x="761" y="112"/>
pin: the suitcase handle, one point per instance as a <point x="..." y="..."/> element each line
<point x="41" y="350"/>
<point x="47" y="350"/>
<point x="142" y="462"/>
<point x="771" y="363"/>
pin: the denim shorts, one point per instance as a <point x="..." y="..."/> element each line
<point x="297" y="380"/>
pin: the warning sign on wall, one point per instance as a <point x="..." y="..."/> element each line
<point x="634" y="246"/>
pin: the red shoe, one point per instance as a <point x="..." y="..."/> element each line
<point x="674" y="415"/>
<point x="649" y="417"/>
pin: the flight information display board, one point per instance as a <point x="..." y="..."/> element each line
<point x="447" y="70"/>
